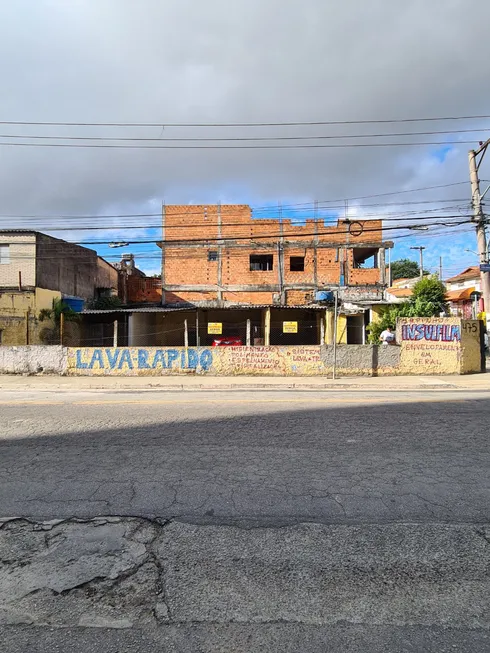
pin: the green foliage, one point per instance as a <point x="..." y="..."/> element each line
<point x="429" y="297"/>
<point x="105" y="303"/>
<point x="50" y="335"/>
<point x="55" y="312"/>
<point x="428" y="300"/>
<point x="404" y="268"/>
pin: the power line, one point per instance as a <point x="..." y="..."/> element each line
<point x="263" y="207"/>
<point x="234" y="147"/>
<point x="252" y="239"/>
<point x="299" y="222"/>
<point x="239" y="138"/>
<point x="460" y="228"/>
<point x="256" y="220"/>
<point x="163" y="123"/>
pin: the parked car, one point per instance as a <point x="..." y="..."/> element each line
<point x="227" y="341"/>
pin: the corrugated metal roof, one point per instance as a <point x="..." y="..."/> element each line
<point x="173" y="309"/>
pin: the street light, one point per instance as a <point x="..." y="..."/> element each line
<point x="472" y="251"/>
<point x="118" y="244"/>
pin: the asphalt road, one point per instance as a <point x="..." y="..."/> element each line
<point x="246" y="521"/>
<point x="267" y="458"/>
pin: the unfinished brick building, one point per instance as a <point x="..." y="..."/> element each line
<point x="221" y="256"/>
<point x="229" y="277"/>
<point x="252" y="276"/>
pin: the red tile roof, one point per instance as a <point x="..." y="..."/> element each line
<point x="472" y="272"/>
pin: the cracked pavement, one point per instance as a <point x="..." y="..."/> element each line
<point x="245" y="521"/>
<point x="265" y="458"/>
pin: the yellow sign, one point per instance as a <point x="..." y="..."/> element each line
<point x="290" y="327"/>
<point x="215" y="328"/>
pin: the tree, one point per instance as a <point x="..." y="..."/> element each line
<point x="428" y="300"/>
<point x="428" y="297"/>
<point x="404" y="268"/>
<point x="105" y="303"/>
<point x="52" y="335"/>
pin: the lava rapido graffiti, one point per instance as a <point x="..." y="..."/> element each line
<point x="143" y="359"/>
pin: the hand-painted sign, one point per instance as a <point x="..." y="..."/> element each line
<point x="215" y="328"/>
<point x="132" y="358"/>
<point x="290" y="327"/>
<point x="433" y="332"/>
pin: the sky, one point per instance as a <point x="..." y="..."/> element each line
<point x="182" y="61"/>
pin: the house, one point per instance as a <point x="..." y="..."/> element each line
<point x="400" y="290"/>
<point x="226" y="274"/>
<point x="464" y="293"/>
<point x="36" y="269"/>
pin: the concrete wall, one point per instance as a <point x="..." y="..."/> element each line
<point x="233" y="361"/>
<point x="363" y="360"/>
<point x="33" y="360"/>
<point x="71" y="269"/>
<point x="428" y="346"/>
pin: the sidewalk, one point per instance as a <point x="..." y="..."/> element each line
<point x="189" y="383"/>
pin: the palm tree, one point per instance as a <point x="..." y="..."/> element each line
<point x="58" y="309"/>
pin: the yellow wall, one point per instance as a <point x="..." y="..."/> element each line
<point x="470" y="341"/>
<point x="341" y="328"/>
<point x="377" y="313"/>
<point x="439" y="345"/>
<point x="44" y="298"/>
<point x="18" y="308"/>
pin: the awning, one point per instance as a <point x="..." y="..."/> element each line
<point x="460" y="295"/>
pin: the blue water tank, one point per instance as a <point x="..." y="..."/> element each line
<point x="75" y="303"/>
<point x="324" y="296"/>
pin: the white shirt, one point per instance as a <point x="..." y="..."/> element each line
<point x="387" y="337"/>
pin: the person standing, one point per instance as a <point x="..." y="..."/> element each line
<point x="387" y="337"/>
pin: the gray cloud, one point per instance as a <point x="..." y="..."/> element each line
<point x="245" y="60"/>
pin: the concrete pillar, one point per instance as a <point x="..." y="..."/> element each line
<point x="186" y="334"/>
<point x="249" y="333"/>
<point x="382" y="266"/>
<point x="114" y="343"/>
<point x="130" y="331"/>
<point x="267" y="327"/>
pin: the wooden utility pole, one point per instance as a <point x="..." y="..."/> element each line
<point x="479" y="218"/>
<point x="62" y="327"/>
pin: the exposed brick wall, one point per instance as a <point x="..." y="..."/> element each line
<point x="144" y="289"/>
<point x="190" y="266"/>
<point x="22" y="257"/>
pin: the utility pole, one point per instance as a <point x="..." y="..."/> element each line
<point x="440" y="268"/>
<point x="479" y="218"/>
<point x="421" y="254"/>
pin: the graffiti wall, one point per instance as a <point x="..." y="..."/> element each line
<point x="439" y="345"/>
<point x="149" y="361"/>
<point x="428" y="346"/>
